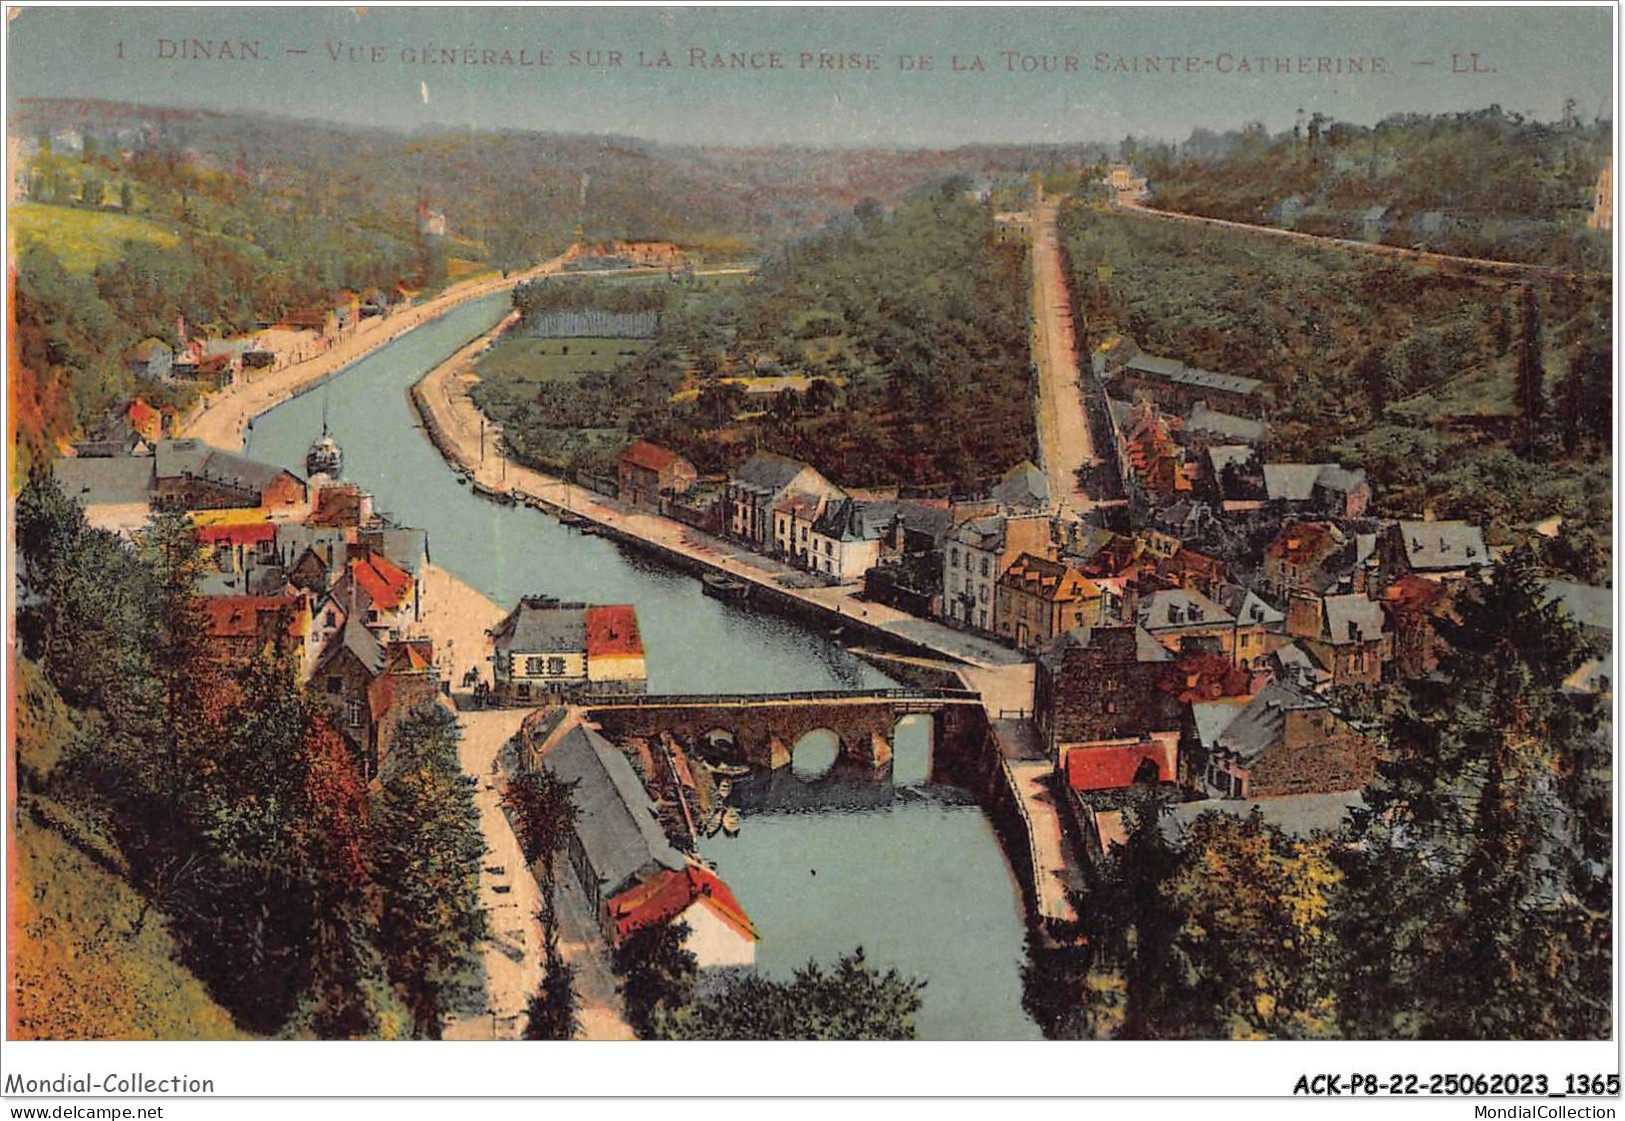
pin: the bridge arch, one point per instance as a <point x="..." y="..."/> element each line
<point x="815" y="753"/>
<point x="913" y="740"/>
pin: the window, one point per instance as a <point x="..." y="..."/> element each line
<point x="555" y="667"/>
<point x="982" y="617"/>
<point x="335" y="686"/>
<point x="332" y="618"/>
<point x="982" y="594"/>
<point x="953" y="558"/>
<point x="986" y="567"/>
<point x="353" y="715"/>
<point x="533" y="666"/>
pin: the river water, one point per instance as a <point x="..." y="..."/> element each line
<point x="910" y="871"/>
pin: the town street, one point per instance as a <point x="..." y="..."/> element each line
<point x="1064" y="441"/>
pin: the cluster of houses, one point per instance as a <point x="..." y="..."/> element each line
<point x="303" y="571"/>
<point x="544" y="649"/>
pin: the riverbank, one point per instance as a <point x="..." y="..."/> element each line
<point x="1016" y="779"/>
<point x="221" y="419"/>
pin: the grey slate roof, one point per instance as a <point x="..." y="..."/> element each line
<point x="1298" y="815"/>
<point x="1336" y="477"/>
<point x="1146" y="648"/>
<point x="615" y="820"/>
<point x="408" y="548"/>
<point x="847" y="519"/>
<point x="1239" y="428"/>
<point x="1261" y="724"/>
<point x="986" y="532"/>
<point x="1441" y="546"/>
<point x="176" y="458"/>
<point x="1023" y="486"/>
<point x="1585" y="605"/>
<point x="1248" y="606"/>
<point x="1351" y="619"/>
<point x="1173" y="608"/>
<point x="531" y="628"/>
<point x="766" y="473"/>
<point x="356" y="638"/>
<point x="1171" y="370"/>
<point x="120" y="480"/>
<point x="1212" y="718"/>
<point x="1290" y="482"/>
<point x="1228" y="455"/>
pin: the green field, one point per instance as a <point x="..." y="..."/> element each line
<point x="534" y="361"/>
<point x="83" y="239"/>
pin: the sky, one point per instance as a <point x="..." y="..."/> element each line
<point x="408" y="68"/>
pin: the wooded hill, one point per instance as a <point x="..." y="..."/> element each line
<point x="1486" y="183"/>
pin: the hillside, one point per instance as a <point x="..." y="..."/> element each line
<point x="1482" y="184"/>
<point x="1383" y="364"/>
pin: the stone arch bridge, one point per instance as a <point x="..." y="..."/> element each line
<point x="766" y="726"/>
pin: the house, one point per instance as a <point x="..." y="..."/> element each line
<point x="1204" y="426"/>
<point x="1037" y="600"/>
<point x="1186" y="568"/>
<point x="1116" y="764"/>
<point x="1147" y="448"/>
<point x="540" y="648"/>
<point x="241" y="629"/>
<point x="1414" y="607"/>
<point x="1299" y="815"/>
<point x="758" y="485"/>
<point x="409" y="683"/>
<point x="978" y="552"/>
<point x="380" y="593"/>
<point x="720" y="934"/>
<point x="1100" y="684"/>
<point x="1328" y="488"/>
<point x="1291" y="663"/>
<point x="646" y="473"/>
<point x="151" y="358"/>
<point x="1285" y="742"/>
<point x="341" y="504"/>
<point x="191" y="475"/>
<point x="115" y="492"/>
<point x="237" y="540"/>
<point x="1344" y="634"/>
<point x="1431" y="550"/>
<point x="1307" y="557"/>
<point x="616" y="844"/>
<point x="342" y="681"/>
<point x="1260" y="627"/>
<point x="1176" y="387"/>
<point x="1183" y="619"/>
<point x="1022" y="490"/>
<point x="845" y="539"/>
<point x="544" y="648"/>
<point x="794" y="516"/>
<point x="1590" y="609"/>
<point x="615" y="650"/>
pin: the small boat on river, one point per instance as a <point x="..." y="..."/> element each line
<point x="730" y="821"/>
<point x="725" y="588"/>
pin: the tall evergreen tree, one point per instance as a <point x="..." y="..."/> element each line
<point x="1529" y="377"/>
<point x="657" y="974"/>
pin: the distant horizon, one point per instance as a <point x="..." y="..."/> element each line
<point x="452" y="129"/>
<point x="820" y="78"/>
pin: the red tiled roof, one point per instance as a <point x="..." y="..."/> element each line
<point x="249" y="533"/>
<point x="239" y="616"/>
<point x="612" y="631"/>
<point x="384" y="582"/>
<point x="1113" y="766"/>
<point x="144" y="418"/>
<point x="665" y="896"/>
<point x="1411" y="594"/>
<point x="651" y="457"/>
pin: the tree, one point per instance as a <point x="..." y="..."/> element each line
<point x="657" y="974"/>
<point x="552" y="1011"/>
<point x="852" y="1001"/>
<point x="426" y="848"/>
<point x="1132" y="925"/>
<point x="1529" y="376"/>
<point x="544" y="814"/>
<point x="1472" y="903"/>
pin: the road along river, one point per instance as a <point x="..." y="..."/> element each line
<point x="910" y="871"/>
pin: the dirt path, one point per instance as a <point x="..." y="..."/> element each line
<point x="1510" y="269"/>
<point x="1064" y="440"/>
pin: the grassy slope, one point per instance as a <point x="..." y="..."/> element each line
<point x="83" y="239"/>
<point x="87" y="961"/>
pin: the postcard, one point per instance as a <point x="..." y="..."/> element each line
<point x="995" y="525"/>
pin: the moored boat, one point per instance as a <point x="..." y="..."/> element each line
<point x="724" y="587"/>
<point x="730" y="821"/>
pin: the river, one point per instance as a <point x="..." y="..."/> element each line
<point x="910" y="871"/>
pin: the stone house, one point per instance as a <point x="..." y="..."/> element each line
<point x="1285" y="742"/>
<point x="758" y="485"/>
<point x="646" y="473"/>
<point x="978" y="552"/>
<point x="1037" y="600"/>
<point x="1100" y="684"/>
<point x="1431" y="550"/>
<point x="190" y="475"/>
<point x="1344" y="634"/>
<point x="1182" y="619"/>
